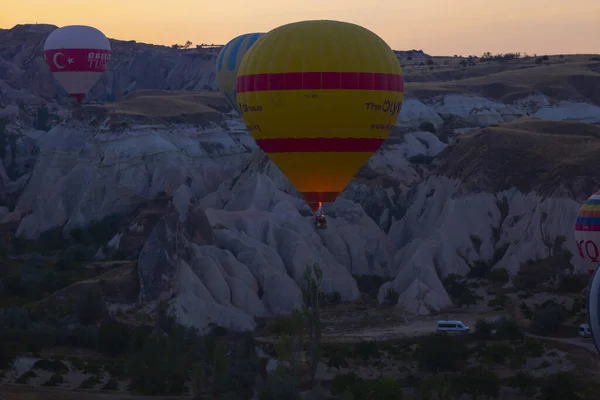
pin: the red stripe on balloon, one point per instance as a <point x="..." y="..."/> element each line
<point x="77" y="60"/>
<point x="77" y="96"/>
<point x="587" y="228"/>
<point x="320" y="145"/>
<point x="320" y="80"/>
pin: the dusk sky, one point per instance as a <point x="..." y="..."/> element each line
<point x="439" y="27"/>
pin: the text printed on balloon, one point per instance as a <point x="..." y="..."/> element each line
<point x="98" y="60"/>
<point x="393" y="107"/>
<point x="382" y="127"/>
<point x="588" y="249"/>
<point x="252" y="128"/>
<point x="246" y="108"/>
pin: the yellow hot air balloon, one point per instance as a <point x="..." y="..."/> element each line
<point x="320" y="97"/>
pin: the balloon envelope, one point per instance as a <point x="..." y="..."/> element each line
<point x="228" y="63"/>
<point x="594" y="309"/>
<point x="77" y="56"/>
<point x="320" y="97"/>
<point x="587" y="232"/>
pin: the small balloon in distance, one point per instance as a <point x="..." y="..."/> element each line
<point x="77" y="56"/>
<point x="228" y="63"/>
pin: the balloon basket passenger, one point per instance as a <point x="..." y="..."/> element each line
<point x="320" y="221"/>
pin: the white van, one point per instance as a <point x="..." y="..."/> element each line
<point x="585" y="331"/>
<point x="452" y="326"/>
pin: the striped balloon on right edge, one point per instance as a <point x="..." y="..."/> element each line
<point x="587" y="232"/>
<point x="228" y="62"/>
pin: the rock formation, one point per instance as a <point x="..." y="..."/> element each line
<point x="473" y="172"/>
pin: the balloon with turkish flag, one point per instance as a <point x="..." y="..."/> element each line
<point x="77" y="56"/>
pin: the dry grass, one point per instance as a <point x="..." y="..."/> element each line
<point x="575" y="78"/>
<point x="531" y="155"/>
<point x="194" y="107"/>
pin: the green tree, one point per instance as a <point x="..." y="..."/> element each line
<point x="548" y="318"/>
<point x="114" y="338"/>
<point x="483" y="329"/>
<point x="476" y="382"/>
<point x="161" y="365"/>
<point x="288" y="351"/>
<point x="220" y="365"/>
<point x="311" y="307"/>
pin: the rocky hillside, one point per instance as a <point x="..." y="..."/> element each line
<point x="488" y="168"/>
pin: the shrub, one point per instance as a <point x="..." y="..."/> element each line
<point x="476" y="382"/>
<point x="571" y="283"/>
<point x="497" y="353"/>
<point x="367" y="350"/>
<point x="483" y="329"/>
<point x="281" y="384"/>
<point x="530" y="348"/>
<point x="420" y="159"/>
<point x="439" y="353"/>
<point x="90" y="382"/>
<point x="459" y="291"/>
<point x="548" y="318"/>
<point x="498" y="302"/>
<point x="560" y="386"/>
<point x="54" y="380"/>
<point x="90" y="307"/>
<point x="370" y="284"/>
<point x="283" y="325"/>
<point x="507" y="329"/>
<point x="523" y="381"/>
<point x="112" y="384"/>
<point x="343" y="382"/>
<point x="23" y="379"/>
<point x="427" y="126"/>
<point x="8" y="354"/>
<point x="331" y="298"/>
<point x="337" y="358"/>
<point x="114" y="338"/>
<point x="391" y="296"/>
<point x="51" y="366"/>
<point x="385" y="388"/>
<point x="499" y="275"/>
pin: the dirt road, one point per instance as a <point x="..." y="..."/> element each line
<point x="391" y="324"/>
<point x="587" y="344"/>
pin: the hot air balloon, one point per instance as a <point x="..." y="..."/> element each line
<point x="320" y="97"/>
<point x="594" y="309"/>
<point x="77" y="56"/>
<point x="587" y="232"/>
<point x="228" y="62"/>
